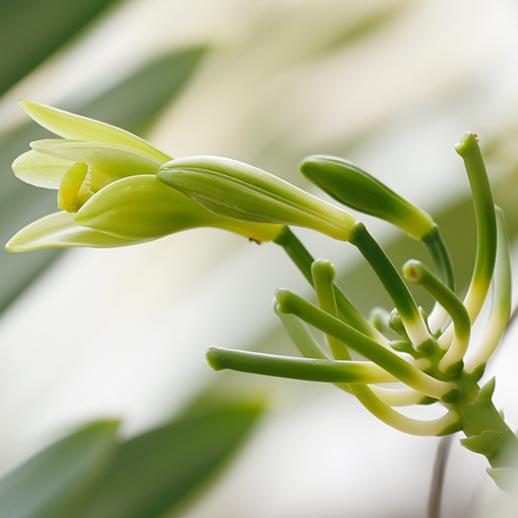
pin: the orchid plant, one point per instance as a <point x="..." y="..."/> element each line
<point x="115" y="189"/>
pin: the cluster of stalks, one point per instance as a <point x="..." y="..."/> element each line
<point x="423" y="356"/>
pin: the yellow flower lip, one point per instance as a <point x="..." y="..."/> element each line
<point x="75" y="188"/>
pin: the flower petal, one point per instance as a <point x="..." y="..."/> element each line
<point x="74" y="190"/>
<point x="108" y="162"/>
<point x="142" y="207"/>
<point x="58" y="230"/>
<point x="40" y="169"/>
<point x="76" y="127"/>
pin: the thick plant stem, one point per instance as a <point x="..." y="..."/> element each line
<point x="486" y="430"/>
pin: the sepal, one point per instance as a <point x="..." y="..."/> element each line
<point x="485" y="443"/>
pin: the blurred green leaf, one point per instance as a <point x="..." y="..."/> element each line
<point x="50" y="483"/>
<point x="156" y="472"/>
<point x="132" y="104"/>
<point x="31" y="30"/>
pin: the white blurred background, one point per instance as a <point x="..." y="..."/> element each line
<point x="123" y="332"/>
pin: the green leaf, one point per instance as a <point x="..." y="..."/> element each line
<point x="30" y="31"/>
<point x="156" y="472"/>
<point x="122" y="105"/>
<point x="50" y="483"/>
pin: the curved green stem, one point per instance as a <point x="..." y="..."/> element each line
<point x="396" y="288"/>
<point x="300" y="336"/>
<point x="402" y="422"/>
<point x="417" y="272"/>
<point x="469" y="149"/>
<point x="437" y="248"/>
<point x="500" y="303"/>
<point x="386" y="359"/>
<point x="400" y="397"/>
<point x="303" y="260"/>
<point x="323" y="275"/>
<point x="308" y="369"/>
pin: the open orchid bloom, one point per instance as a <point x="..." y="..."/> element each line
<point x="108" y="191"/>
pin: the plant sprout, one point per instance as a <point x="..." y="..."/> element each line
<point x="115" y="189"/>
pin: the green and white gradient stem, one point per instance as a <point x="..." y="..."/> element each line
<point x="308" y="369"/>
<point x="303" y="260"/>
<point x="403" y="423"/>
<point x="309" y="348"/>
<point x="388" y="360"/>
<point x="400" y="397"/>
<point x="396" y="288"/>
<point x="500" y="303"/>
<point x="469" y="149"/>
<point x="439" y="253"/>
<point x="417" y="272"/>
<point x="300" y="335"/>
<point x="323" y="274"/>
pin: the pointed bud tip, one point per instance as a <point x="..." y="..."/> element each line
<point x="13" y="246"/>
<point x="29" y="107"/>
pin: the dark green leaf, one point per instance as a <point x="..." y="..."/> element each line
<point x="31" y="30"/>
<point x="131" y="104"/>
<point x="157" y="471"/>
<point x="50" y="483"/>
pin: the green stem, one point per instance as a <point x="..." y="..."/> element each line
<point x="469" y="149"/>
<point x="308" y="369"/>
<point x="323" y="274"/>
<point x="500" y="311"/>
<point x="437" y="248"/>
<point x="417" y="272"/>
<point x="303" y="260"/>
<point x="300" y="336"/>
<point x="386" y="359"/>
<point x="396" y="288"/>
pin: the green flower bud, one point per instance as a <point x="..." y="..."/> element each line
<point x="359" y="190"/>
<point x="107" y="188"/>
<point x="238" y="190"/>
